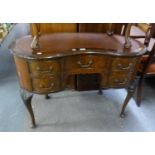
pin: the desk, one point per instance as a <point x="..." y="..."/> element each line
<point x="64" y="55"/>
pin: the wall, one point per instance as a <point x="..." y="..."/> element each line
<point x="6" y="58"/>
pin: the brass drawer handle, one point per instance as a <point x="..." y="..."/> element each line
<point x="120" y="66"/>
<point x="85" y="65"/>
<point x="50" y="87"/>
<point x="50" y="68"/>
<point x="121" y="82"/>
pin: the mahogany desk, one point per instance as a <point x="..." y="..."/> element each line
<point x="61" y="56"/>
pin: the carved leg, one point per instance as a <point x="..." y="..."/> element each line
<point x="128" y="97"/>
<point x="139" y="91"/>
<point x="47" y="96"/>
<point x="100" y="92"/>
<point x="27" y="97"/>
<point x="131" y="91"/>
<point x="100" y="87"/>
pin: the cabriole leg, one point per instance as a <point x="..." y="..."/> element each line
<point x="128" y="97"/>
<point x="100" y="92"/>
<point x="140" y="91"/>
<point x="100" y="87"/>
<point x="47" y="96"/>
<point x="131" y="91"/>
<point x="27" y="97"/>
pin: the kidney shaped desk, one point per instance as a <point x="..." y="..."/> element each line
<point x="63" y="55"/>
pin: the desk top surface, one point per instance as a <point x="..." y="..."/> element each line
<point x="65" y="44"/>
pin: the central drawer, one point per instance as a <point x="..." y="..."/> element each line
<point x="80" y="64"/>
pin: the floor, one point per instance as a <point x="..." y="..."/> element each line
<point x="69" y="111"/>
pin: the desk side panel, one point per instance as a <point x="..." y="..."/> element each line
<point x="23" y="73"/>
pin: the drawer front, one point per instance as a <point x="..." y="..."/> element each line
<point x="122" y="72"/>
<point x="44" y="67"/>
<point x="119" y="79"/>
<point x="123" y="64"/>
<point x="85" y="64"/>
<point x="46" y="85"/>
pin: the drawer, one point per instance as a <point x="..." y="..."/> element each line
<point x="119" y="79"/>
<point x="44" y="67"/>
<point x="123" y="64"/>
<point x="46" y="85"/>
<point x="85" y="64"/>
